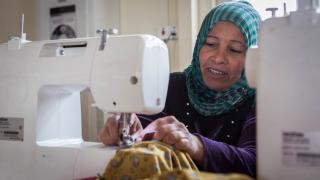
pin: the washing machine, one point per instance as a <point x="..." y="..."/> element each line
<point x="61" y="19"/>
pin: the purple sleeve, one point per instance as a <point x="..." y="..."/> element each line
<point x="222" y="158"/>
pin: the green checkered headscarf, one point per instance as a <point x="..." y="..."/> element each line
<point x="210" y="102"/>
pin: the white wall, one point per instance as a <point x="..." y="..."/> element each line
<point x="10" y="18"/>
<point x="149" y="16"/>
<point x="143" y="16"/>
<point x="187" y="30"/>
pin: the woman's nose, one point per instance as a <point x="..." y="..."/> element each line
<point x="219" y="57"/>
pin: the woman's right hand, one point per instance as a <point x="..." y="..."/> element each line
<point x="109" y="134"/>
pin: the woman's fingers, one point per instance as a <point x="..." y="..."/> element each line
<point x="171" y="131"/>
<point x="167" y="129"/>
<point x="109" y="134"/>
<point x="174" y="137"/>
<point x="103" y="134"/>
<point x="158" y="123"/>
<point x="164" y="130"/>
<point x="135" y="124"/>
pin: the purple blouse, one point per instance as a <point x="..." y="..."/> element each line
<point x="229" y="139"/>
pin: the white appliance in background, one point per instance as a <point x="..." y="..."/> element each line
<point x="285" y="69"/>
<point x="60" y="19"/>
<point x="40" y="106"/>
<point x="63" y="22"/>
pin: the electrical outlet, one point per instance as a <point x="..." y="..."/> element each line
<point x="167" y="33"/>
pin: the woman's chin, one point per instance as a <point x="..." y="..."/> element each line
<point x="216" y="86"/>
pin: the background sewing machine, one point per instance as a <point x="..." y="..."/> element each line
<point x="285" y="69"/>
<point x="40" y="114"/>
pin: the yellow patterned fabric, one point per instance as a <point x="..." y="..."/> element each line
<point x="157" y="160"/>
<point x="187" y="174"/>
<point x="146" y="159"/>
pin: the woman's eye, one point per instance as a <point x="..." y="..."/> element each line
<point x="238" y="51"/>
<point x="211" y="44"/>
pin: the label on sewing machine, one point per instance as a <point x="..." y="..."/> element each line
<point x="301" y="149"/>
<point x="11" y="128"/>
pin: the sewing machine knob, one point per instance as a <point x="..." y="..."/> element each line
<point x="60" y="51"/>
<point x="134" y="80"/>
<point x="158" y="102"/>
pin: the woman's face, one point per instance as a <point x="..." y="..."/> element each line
<point x="222" y="56"/>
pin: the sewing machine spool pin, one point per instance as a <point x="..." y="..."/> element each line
<point x="104" y="34"/>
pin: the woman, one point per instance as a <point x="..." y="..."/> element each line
<point x="210" y="111"/>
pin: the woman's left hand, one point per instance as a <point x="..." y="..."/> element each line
<point x="169" y="130"/>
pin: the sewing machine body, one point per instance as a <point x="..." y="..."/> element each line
<point x="40" y="82"/>
<point x="286" y="76"/>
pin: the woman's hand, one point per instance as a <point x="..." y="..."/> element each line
<point x="169" y="130"/>
<point x="109" y="134"/>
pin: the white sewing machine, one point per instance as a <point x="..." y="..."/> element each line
<point x="285" y="69"/>
<point x="40" y="83"/>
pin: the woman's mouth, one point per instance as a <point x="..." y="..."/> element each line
<point x="216" y="72"/>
